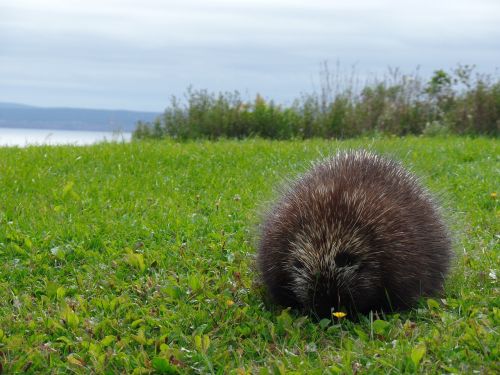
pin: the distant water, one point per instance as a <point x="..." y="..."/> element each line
<point x="24" y="137"/>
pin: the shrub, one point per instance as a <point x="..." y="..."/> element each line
<point x="459" y="102"/>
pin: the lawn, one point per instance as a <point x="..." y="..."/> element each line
<point x="139" y="258"/>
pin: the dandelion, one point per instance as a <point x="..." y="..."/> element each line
<point x="229" y="303"/>
<point x="493" y="195"/>
<point x="339" y="314"/>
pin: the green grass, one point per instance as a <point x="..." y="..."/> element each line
<point x="138" y="257"/>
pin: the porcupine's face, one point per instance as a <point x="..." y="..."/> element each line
<point x="344" y="277"/>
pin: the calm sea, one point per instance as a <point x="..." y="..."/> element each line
<point x="24" y="137"/>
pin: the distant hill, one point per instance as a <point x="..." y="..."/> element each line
<point x="14" y="115"/>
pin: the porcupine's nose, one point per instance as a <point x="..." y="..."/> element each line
<point x="325" y="298"/>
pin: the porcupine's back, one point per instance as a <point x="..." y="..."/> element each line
<point x="357" y="233"/>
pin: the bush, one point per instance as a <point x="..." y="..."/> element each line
<point x="457" y="102"/>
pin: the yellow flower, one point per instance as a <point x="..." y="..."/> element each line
<point x="229" y="303"/>
<point x="493" y="195"/>
<point x="339" y="314"/>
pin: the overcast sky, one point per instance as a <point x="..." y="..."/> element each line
<point x="135" y="54"/>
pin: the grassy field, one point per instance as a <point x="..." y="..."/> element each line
<point x="138" y="258"/>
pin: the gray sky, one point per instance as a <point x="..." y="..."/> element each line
<point x="135" y="54"/>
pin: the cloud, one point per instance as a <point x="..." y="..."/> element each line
<point x="143" y="51"/>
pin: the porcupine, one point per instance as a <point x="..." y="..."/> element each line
<point x="357" y="233"/>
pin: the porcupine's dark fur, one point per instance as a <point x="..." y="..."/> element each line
<point x="356" y="233"/>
